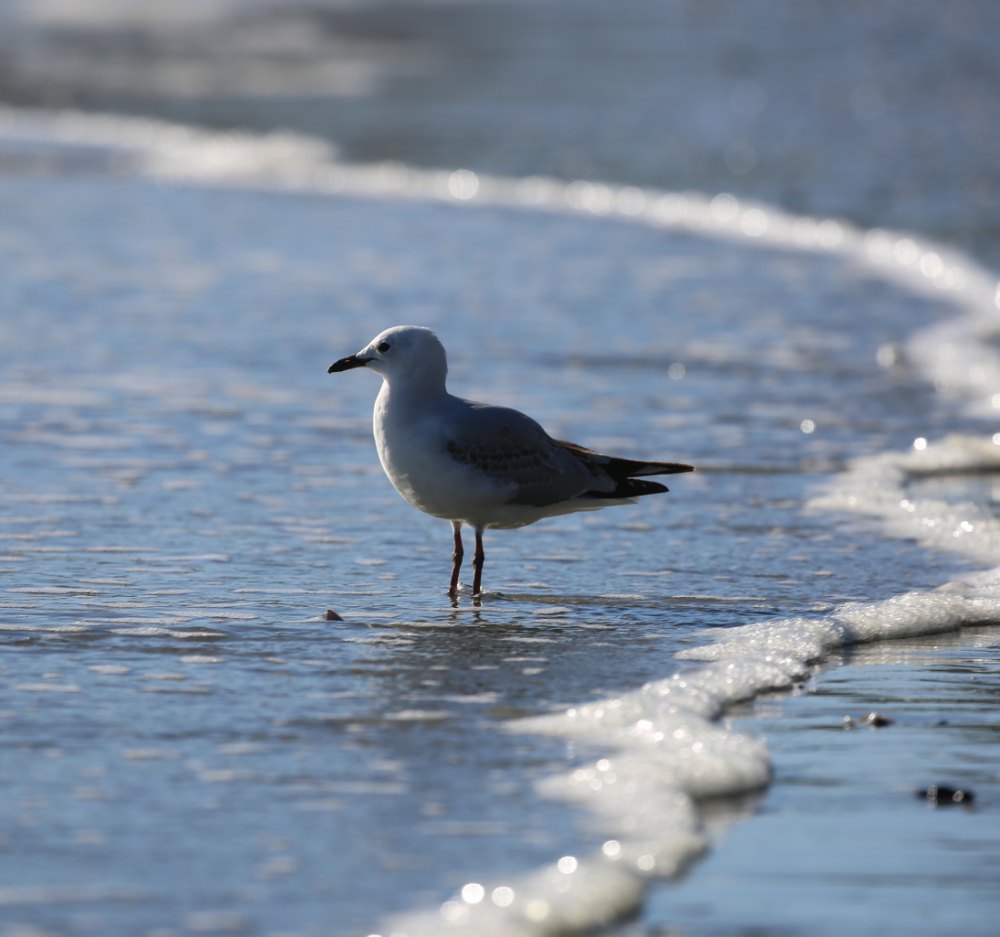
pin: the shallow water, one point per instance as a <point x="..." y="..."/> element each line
<point x="190" y="744"/>
<point x="888" y="860"/>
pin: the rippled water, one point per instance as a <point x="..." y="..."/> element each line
<point x="189" y="742"/>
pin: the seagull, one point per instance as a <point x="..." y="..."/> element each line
<point x="477" y="464"/>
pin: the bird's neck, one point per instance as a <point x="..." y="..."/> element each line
<point x="408" y="398"/>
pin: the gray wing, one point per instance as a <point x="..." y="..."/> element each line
<point x="515" y="451"/>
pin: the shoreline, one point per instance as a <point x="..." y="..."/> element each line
<point x="840" y="842"/>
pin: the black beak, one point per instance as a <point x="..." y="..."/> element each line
<point x="345" y="364"/>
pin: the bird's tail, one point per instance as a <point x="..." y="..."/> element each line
<point x="621" y="469"/>
<point x="632" y="469"/>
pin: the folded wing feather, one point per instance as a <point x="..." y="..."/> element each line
<point x="513" y="449"/>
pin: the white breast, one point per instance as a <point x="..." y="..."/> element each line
<point x="412" y="447"/>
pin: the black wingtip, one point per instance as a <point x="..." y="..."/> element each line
<point x="629" y="488"/>
<point x="636" y="487"/>
<point x="667" y="468"/>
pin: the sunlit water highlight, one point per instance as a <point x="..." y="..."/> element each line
<point x="190" y="743"/>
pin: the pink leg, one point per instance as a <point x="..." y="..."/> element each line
<point x="478" y="559"/>
<point x="456" y="558"/>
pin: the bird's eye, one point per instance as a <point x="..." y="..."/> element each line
<point x="382" y="347"/>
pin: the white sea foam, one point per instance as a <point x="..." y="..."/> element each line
<point x="165" y="150"/>
<point x="662" y="748"/>
<point x="880" y="486"/>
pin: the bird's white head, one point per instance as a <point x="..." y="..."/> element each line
<point x="404" y="354"/>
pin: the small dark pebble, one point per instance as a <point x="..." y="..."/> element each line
<point x="331" y="615"/>
<point x="940" y="795"/>
<point x="877" y="720"/>
<point x="873" y="719"/>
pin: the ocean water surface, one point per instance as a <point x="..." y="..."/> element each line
<point x="191" y="745"/>
<point x="640" y="730"/>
